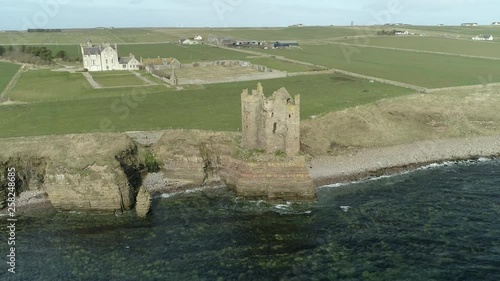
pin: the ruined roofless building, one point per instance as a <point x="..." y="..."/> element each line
<point x="273" y="123"/>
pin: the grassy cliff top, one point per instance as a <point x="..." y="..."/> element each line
<point x="70" y="151"/>
<point x="448" y="113"/>
<point x="188" y="143"/>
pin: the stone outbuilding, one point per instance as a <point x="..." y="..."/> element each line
<point x="129" y="63"/>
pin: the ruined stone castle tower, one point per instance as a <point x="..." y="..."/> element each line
<point x="273" y="123"/>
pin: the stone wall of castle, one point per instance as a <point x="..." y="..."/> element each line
<point x="271" y="124"/>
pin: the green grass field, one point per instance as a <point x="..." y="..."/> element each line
<point x="118" y="79"/>
<point x="421" y="69"/>
<point x="185" y="54"/>
<point x="434" y="44"/>
<point x="61" y="102"/>
<point x="139" y="35"/>
<point x="46" y="85"/>
<point x="215" y="108"/>
<point x="7" y="72"/>
<point x="456" y="30"/>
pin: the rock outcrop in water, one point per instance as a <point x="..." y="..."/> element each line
<point x="143" y="202"/>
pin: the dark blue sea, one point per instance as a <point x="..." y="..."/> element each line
<point x="438" y="223"/>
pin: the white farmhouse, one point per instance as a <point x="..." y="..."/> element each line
<point x="190" y="41"/>
<point x="104" y="57"/>
<point x="483" y="38"/>
<point x="400" y="32"/>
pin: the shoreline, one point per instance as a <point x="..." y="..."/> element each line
<point x="331" y="170"/>
<point x="30" y="202"/>
<point x="375" y="162"/>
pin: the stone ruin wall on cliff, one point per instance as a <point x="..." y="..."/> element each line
<point x="194" y="159"/>
<point x="271" y="124"/>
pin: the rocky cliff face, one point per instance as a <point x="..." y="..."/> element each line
<point x="97" y="172"/>
<point x="193" y="158"/>
<point x="269" y="177"/>
<point x="103" y="172"/>
<point x="97" y="188"/>
<point x="30" y="175"/>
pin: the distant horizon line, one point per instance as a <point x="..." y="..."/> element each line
<point x="235" y="27"/>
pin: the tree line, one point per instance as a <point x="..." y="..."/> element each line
<point x="43" y="30"/>
<point x="39" y="55"/>
<point x="386" y="32"/>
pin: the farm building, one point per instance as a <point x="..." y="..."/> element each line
<point x="161" y="63"/>
<point x="252" y="43"/>
<point x="129" y="63"/>
<point x="470" y="24"/>
<point x="221" y="40"/>
<point x="285" y="44"/>
<point x="190" y="41"/>
<point x="104" y="57"/>
<point x="483" y="38"/>
<point x="400" y="32"/>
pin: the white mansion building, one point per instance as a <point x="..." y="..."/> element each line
<point x="104" y="57"/>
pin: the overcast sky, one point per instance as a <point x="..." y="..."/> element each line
<point x="23" y="14"/>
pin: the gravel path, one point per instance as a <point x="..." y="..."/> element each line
<point x="370" y="162"/>
<point x="146" y="80"/>
<point x="91" y="80"/>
